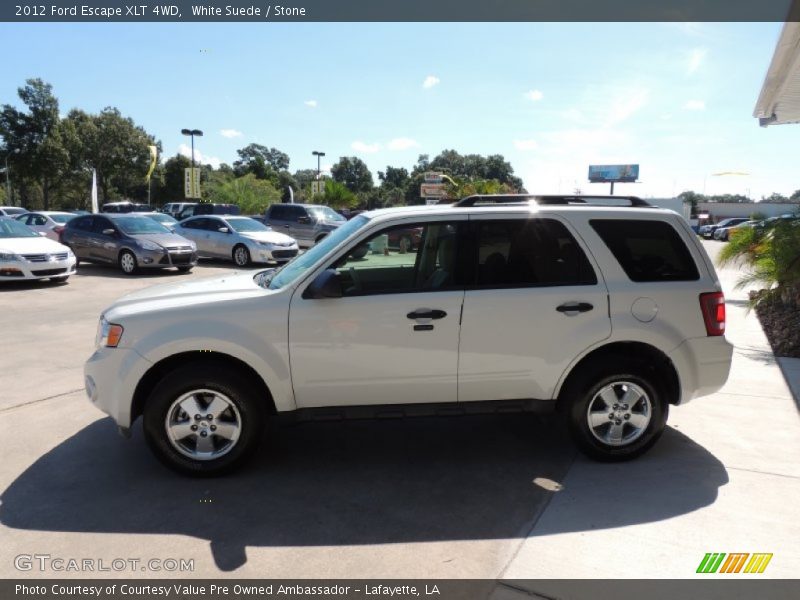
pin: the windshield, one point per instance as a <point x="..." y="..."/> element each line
<point x="163" y="219"/>
<point x="9" y="228"/>
<point x="137" y="225"/>
<point x="325" y="213"/>
<point x="11" y="210"/>
<point x="61" y="217"/>
<point x="292" y="270"/>
<point x="246" y="225"/>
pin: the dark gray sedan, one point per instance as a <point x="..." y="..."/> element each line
<point x="129" y="241"/>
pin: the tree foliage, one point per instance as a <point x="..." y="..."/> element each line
<point x="353" y="173"/>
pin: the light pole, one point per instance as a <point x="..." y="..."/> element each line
<point x="319" y="155"/>
<point x="191" y="133"/>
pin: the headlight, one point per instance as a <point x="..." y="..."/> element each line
<point x="192" y="245"/>
<point x="9" y="257"/>
<point x="70" y="253"/>
<point x="108" y="334"/>
<point x="267" y="244"/>
<point x="148" y="245"/>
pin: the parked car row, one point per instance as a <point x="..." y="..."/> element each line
<point x="722" y="231"/>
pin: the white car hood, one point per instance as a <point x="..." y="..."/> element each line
<point x="187" y="293"/>
<point x="272" y="237"/>
<point x="31" y="245"/>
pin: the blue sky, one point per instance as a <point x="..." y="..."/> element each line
<point x="551" y="98"/>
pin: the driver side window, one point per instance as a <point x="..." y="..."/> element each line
<point x="403" y="259"/>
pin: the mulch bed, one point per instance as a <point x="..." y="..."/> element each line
<point x="781" y="325"/>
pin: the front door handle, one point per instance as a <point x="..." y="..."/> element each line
<point x="427" y="313"/>
<point x="574" y="307"/>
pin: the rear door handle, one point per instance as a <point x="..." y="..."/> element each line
<point x="574" y="307"/>
<point x="427" y="313"/>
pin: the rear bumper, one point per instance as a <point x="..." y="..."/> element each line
<point x="703" y="365"/>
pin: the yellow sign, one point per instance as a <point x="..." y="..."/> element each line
<point x="191" y="183"/>
<point x="153" y="161"/>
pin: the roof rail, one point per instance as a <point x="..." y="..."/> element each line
<point x="573" y="200"/>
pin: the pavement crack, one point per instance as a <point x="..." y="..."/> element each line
<point x="24" y="404"/>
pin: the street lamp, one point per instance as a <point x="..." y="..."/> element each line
<point x="191" y="133"/>
<point x="319" y="155"/>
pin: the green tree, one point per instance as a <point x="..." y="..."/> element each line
<point x="37" y="139"/>
<point x="353" y="173"/>
<point x="795" y="197"/>
<point x="776" y="198"/>
<point x="337" y="195"/>
<point x="263" y="162"/>
<point x="251" y="194"/>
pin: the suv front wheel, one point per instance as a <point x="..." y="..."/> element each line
<point x="203" y="420"/>
<point x="617" y="412"/>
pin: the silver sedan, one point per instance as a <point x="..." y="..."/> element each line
<point x="241" y="239"/>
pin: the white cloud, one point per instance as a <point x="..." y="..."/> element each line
<point x="230" y="133"/>
<point x="526" y="145"/>
<point x="430" y="81"/>
<point x="402" y="144"/>
<point x="311" y="103"/>
<point x="625" y="104"/>
<point x="360" y="146"/>
<point x="695" y="60"/>
<point x="695" y="105"/>
<point x="534" y="95"/>
<point x="199" y="157"/>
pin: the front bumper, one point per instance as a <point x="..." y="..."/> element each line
<point x="110" y="379"/>
<point x="20" y="270"/>
<point x="279" y="254"/>
<point x="165" y="258"/>
<point x="703" y="365"/>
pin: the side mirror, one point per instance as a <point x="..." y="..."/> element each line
<point x="224" y="230"/>
<point x="109" y="231"/>
<point x="304" y="220"/>
<point x="328" y="284"/>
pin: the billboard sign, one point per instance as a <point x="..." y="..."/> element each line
<point x="613" y="173"/>
<point x="432" y="190"/>
<point x="433" y="177"/>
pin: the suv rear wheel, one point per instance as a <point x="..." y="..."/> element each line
<point x="204" y="420"/>
<point x="616" y="411"/>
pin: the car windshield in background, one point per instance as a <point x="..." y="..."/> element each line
<point x="137" y="225"/>
<point x="9" y="228"/>
<point x="11" y="210"/>
<point x="326" y="213"/>
<point x="299" y="265"/>
<point x="246" y="225"/>
<point x="163" y="219"/>
<point x="62" y="218"/>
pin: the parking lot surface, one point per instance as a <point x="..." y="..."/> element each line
<point x="500" y="496"/>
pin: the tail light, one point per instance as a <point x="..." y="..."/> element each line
<point x="713" y="306"/>
<point x="58" y="230"/>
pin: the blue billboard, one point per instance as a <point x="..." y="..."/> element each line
<point x="612" y="173"/>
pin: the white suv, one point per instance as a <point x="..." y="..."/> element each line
<point x="610" y="313"/>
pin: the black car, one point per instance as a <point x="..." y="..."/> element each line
<point x="208" y="208"/>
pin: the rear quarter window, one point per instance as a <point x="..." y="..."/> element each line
<point x="647" y="250"/>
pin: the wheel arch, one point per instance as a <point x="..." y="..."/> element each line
<point x="158" y="370"/>
<point x="651" y="358"/>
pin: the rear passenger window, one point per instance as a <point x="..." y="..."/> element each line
<point x="647" y="250"/>
<point x="529" y="252"/>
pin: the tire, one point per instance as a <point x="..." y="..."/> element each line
<point x="241" y="255"/>
<point x="359" y="252"/>
<point x="596" y="411"/>
<point x="62" y="279"/>
<point x="127" y="262"/>
<point x="228" y="397"/>
<point x="184" y="269"/>
<point x="319" y="238"/>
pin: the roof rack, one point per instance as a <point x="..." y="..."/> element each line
<point x="573" y="200"/>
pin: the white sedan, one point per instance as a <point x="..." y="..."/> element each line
<point x="49" y="222"/>
<point x="25" y="254"/>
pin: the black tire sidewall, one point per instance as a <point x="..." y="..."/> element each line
<point x="227" y="381"/>
<point x="583" y="391"/>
